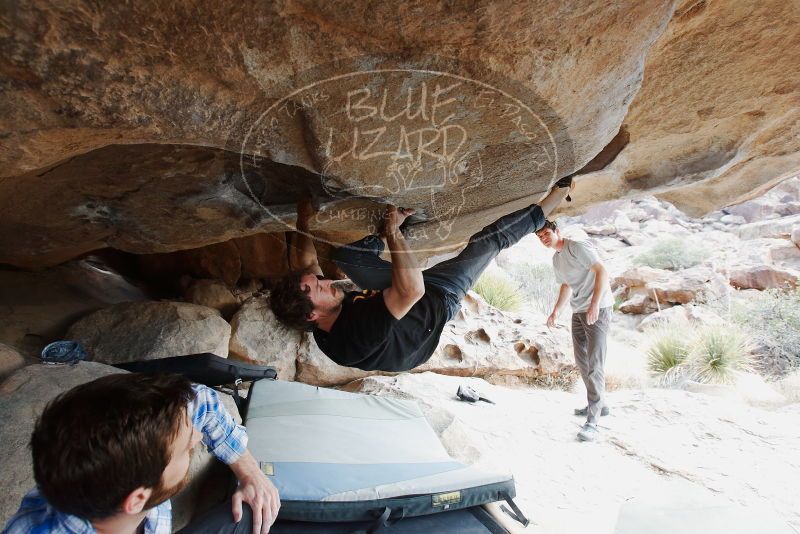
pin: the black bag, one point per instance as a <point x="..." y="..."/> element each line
<point x="207" y="369"/>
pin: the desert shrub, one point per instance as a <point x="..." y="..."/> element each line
<point x="772" y="319"/>
<point x="718" y="353"/>
<point x="668" y="353"/>
<point x="538" y="285"/>
<point x="711" y="354"/>
<point x="563" y="381"/>
<point x="672" y="253"/>
<point x="499" y="292"/>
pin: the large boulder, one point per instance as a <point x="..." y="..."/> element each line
<point x="257" y="336"/>
<point x="502" y="353"/>
<point x="644" y="290"/>
<point x="707" y="152"/>
<point x="38" y="307"/>
<point x="638" y="301"/>
<point x="212" y="294"/>
<point x="500" y="347"/>
<point x="776" y="228"/>
<point x="23" y="396"/>
<point x="11" y="360"/>
<point x="693" y="284"/>
<point x="764" y="277"/>
<point x="313" y="367"/>
<point x="151" y="330"/>
<point x="637" y="276"/>
<point x="688" y="313"/>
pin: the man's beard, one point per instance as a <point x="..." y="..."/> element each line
<point x="161" y="494"/>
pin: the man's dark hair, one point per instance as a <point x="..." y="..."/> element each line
<point x="550" y="225"/>
<point x="290" y="304"/>
<point x="96" y="443"/>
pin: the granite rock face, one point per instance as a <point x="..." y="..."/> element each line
<point x="23" y="396"/>
<point x="10" y="360"/>
<point x="38" y="307"/>
<point x="117" y="133"/>
<point x="644" y="289"/>
<point x="151" y="330"/>
<point x="257" y="336"/>
<point x="764" y="277"/>
<point x="486" y="342"/>
<point x="702" y="133"/>
<point x="213" y="294"/>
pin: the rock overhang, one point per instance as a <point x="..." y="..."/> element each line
<point x="176" y="121"/>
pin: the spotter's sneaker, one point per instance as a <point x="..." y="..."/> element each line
<point x="589" y="432"/>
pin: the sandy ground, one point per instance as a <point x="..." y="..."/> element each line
<point x="661" y="451"/>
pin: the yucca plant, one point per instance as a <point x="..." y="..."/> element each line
<point x="719" y="353"/>
<point x="499" y="292"/>
<point x="669" y="350"/>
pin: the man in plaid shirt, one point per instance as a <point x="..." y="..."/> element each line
<point x="108" y="455"/>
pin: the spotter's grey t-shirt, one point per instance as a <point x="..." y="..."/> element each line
<point x="572" y="267"/>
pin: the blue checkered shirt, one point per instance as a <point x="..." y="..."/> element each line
<point x="223" y="437"/>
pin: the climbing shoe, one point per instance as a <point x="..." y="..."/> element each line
<point x="567" y="181"/>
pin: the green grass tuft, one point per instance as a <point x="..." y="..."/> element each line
<point x="668" y="353"/>
<point x="719" y="353"/>
<point x="499" y="292"/>
<point x="672" y="253"/>
<point x="711" y="354"/>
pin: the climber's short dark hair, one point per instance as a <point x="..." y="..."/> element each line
<point x="290" y="304"/>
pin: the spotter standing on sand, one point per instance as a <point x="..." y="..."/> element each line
<point x="579" y="271"/>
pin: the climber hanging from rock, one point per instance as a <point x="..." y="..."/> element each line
<point x="395" y="321"/>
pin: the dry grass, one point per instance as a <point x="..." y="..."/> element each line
<point x="499" y="292"/>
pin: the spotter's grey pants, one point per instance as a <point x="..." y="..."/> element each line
<point x="589" y="344"/>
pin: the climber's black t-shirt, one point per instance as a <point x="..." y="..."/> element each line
<point x="367" y="336"/>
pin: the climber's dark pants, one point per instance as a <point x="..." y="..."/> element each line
<point x="361" y="260"/>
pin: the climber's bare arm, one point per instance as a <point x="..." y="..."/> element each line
<point x="553" y="199"/>
<point x="408" y="286"/>
<point x="305" y="255"/>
